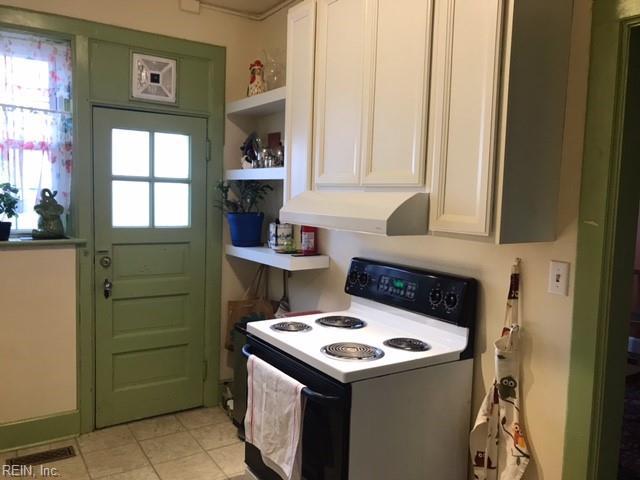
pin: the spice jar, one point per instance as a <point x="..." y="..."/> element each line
<point x="309" y="240"/>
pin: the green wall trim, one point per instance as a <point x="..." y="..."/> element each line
<point x="38" y="430"/>
<point x="80" y="223"/>
<point x="606" y="240"/>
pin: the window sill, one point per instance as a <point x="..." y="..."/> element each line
<point x="28" y="242"/>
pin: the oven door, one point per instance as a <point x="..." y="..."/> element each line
<point x="325" y="436"/>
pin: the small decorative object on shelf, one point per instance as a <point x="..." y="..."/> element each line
<point x="245" y="220"/>
<point x="274" y="69"/>
<point x="49" y="224"/>
<point x="281" y="237"/>
<point x="257" y="84"/>
<point x="8" y="208"/>
<point x="309" y="240"/>
<point x="250" y="148"/>
<point x="255" y="156"/>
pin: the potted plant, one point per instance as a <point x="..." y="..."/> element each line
<point x="8" y="205"/>
<point x="239" y="201"/>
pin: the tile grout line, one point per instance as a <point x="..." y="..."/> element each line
<point x="207" y="452"/>
<point x="145" y="453"/>
<point x="84" y="461"/>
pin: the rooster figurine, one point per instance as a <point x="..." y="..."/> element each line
<point x="257" y="84"/>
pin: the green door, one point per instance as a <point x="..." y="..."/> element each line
<point x="149" y="206"/>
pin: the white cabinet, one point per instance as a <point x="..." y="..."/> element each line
<point x="301" y="41"/>
<point x="339" y="91"/>
<point x="394" y="148"/>
<point x="499" y="82"/>
<point x="372" y="72"/>
<point x="460" y="99"/>
<point x="464" y="105"/>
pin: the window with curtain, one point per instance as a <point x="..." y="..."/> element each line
<point x="35" y="120"/>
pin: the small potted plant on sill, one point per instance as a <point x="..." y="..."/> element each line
<point x="8" y="205"/>
<point x="245" y="219"/>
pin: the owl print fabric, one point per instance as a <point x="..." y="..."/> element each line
<point x="498" y="441"/>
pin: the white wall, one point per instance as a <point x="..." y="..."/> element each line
<point x="37" y="333"/>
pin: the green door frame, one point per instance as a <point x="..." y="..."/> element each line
<point x="81" y="33"/>
<point x="606" y="241"/>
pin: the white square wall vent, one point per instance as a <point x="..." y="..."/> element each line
<point x="153" y="78"/>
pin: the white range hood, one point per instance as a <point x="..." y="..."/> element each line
<point x="382" y="213"/>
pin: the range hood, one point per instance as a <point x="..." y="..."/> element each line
<point x="382" y="213"/>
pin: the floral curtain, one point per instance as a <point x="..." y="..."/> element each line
<point x="35" y="119"/>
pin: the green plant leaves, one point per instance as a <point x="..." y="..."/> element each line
<point x="8" y="200"/>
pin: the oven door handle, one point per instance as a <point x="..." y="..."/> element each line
<point x="306" y="390"/>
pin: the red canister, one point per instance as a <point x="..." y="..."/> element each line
<point x="309" y="240"/>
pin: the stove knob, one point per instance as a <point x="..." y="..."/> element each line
<point x="435" y="297"/>
<point x="363" y="279"/>
<point x="353" y="277"/>
<point x="451" y="300"/>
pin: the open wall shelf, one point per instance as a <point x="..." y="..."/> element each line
<point x="276" y="173"/>
<point x="283" y="261"/>
<point x="266" y="103"/>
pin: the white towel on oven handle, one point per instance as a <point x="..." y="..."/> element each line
<point x="274" y="418"/>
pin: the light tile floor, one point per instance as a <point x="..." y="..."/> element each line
<point x="197" y="444"/>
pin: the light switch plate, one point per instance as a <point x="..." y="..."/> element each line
<point x="558" y="278"/>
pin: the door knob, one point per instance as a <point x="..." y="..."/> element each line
<point x="107" y="288"/>
<point x="105" y="261"/>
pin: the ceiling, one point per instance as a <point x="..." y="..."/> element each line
<point x="252" y="8"/>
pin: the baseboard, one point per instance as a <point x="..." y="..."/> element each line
<point x="38" y="430"/>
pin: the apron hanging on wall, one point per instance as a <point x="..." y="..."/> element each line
<point x="497" y="442"/>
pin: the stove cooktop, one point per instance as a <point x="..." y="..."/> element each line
<point x="400" y="318"/>
<point x="383" y="323"/>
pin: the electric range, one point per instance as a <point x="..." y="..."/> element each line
<point x="388" y="379"/>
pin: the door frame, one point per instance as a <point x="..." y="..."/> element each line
<point x="80" y="222"/>
<point x="106" y="237"/>
<point x="605" y="252"/>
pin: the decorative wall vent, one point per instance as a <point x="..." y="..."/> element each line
<point x="153" y="78"/>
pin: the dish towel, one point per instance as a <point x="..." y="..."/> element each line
<point x="497" y="442"/>
<point x="273" y="423"/>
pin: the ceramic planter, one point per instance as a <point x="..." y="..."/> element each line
<point x="245" y="229"/>
<point x="5" y="230"/>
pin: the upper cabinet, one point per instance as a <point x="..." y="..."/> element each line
<point x="463" y="100"/>
<point x="498" y="101"/>
<point x="395" y="114"/>
<point x="371" y="92"/>
<point x="341" y="46"/>
<point x="464" y="114"/>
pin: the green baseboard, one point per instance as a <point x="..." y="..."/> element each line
<point x="38" y="430"/>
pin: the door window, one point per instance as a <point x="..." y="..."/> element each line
<point x="150" y="179"/>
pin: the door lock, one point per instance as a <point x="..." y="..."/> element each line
<point x="107" y="288"/>
<point x="105" y="261"/>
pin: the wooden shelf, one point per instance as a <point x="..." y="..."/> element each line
<point x="266" y="103"/>
<point x="255" y="174"/>
<point x="283" y="261"/>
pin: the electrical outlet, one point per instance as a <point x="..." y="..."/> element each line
<point x="558" y="278"/>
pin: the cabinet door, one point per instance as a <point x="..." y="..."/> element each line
<point x="301" y="27"/>
<point x="463" y="120"/>
<point x="339" y="94"/>
<point x="395" y="151"/>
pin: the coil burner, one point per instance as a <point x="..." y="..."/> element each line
<point x="408" y="344"/>
<point x="341" y="322"/>
<point x="291" y="327"/>
<point x="352" y="351"/>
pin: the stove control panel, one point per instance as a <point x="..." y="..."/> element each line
<point x="447" y="297"/>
